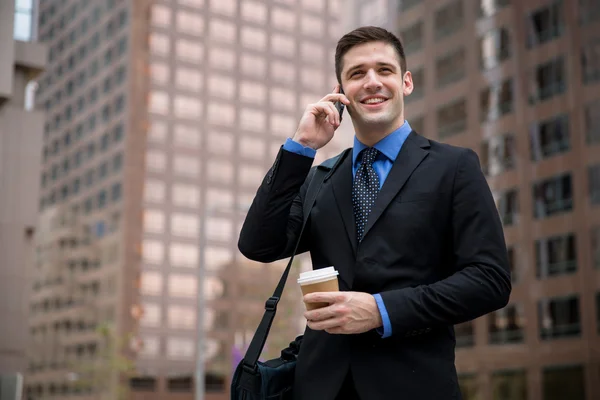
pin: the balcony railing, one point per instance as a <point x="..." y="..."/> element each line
<point x="545" y="36"/>
<point x="507" y="336"/>
<point x="561" y="331"/>
<point x="555" y="207"/>
<point x="452" y="128"/>
<point x="559" y="268"/>
<point x="554" y="147"/>
<point x="465" y="340"/>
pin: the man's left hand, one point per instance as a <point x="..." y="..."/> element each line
<point x="347" y="312"/>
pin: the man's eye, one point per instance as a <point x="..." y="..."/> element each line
<point x="356" y="73"/>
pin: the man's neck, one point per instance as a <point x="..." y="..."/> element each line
<point x="369" y="136"/>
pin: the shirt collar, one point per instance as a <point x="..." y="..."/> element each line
<point x="389" y="146"/>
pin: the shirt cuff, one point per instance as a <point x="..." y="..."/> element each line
<point x="387" y="325"/>
<point x="295" y="147"/>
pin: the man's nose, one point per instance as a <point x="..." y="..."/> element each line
<point x="372" y="82"/>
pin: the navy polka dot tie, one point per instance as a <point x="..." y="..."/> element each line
<point x="365" y="189"/>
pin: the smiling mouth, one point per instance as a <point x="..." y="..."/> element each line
<point x="374" y="101"/>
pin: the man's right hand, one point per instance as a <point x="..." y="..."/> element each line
<point x="319" y="121"/>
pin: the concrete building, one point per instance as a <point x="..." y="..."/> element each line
<point x="519" y="82"/>
<point x="162" y="119"/>
<point x="21" y="130"/>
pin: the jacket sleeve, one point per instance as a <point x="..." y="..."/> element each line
<point x="274" y="221"/>
<point x="479" y="282"/>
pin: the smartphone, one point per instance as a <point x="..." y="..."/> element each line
<point x="339" y="105"/>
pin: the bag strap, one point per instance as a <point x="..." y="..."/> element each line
<point x="322" y="173"/>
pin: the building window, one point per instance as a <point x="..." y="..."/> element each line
<point x="512" y="263"/>
<point x="23" y="21"/>
<point x="253" y="65"/>
<point x="222" y="31"/>
<point x="221" y="143"/>
<point x="180" y="348"/>
<point x="188" y="79"/>
<point x="545" y="24"/>
<point x="419" y="86"/>
<point x="498" y="154"/>
<point x="151" y="283"/>
<point x="254" y="11"/>
<point x="450" y="68"/>
<point x="252" y="148"/>
<point x="283" y="45"/>
<point x="183" y="255"/>
<point x="278" y="93"/>
<point x="161" y="15"/>
<point x="216" y="258"/>
<point x="595" y="246"/>
<point x="156" y="161"/>
<point x="187" y="107"/>
<point x="151" y="316"/>
<point x="185" y="225"/>
<point x="312" y="26"/>
<point x="594" y="183"/>
<point x="150" y="346"/>
<point x="221" y="86"/>
<point x="412" y="37"/>
<point x="448" y="19"/>
<point x="189" y="51"/>
<point x="589" y="11"/>
<point x="224" y="60"/>
<point x="159" y="73"/>
<point x="465" y="334"/>
<point x="189" y="23"/>
<point x="548" y="80"/>
<point x="185" y="195"/>
<point x="559" y="317"/>
<point x="159" y="103"/>
<point x="154" y="191"/>
<point x="507" y="325"/>
<point x="508" y="206"/>
<point x="563" y="382"/>
<point x="186" y="166"/>
<point x="598" y="312"/>
<point x="221" y="113"/>
<point x="153" y="251"/>
<point x="159" y="44"/>
<point x="183" y="285"/>
<point x="219" y="229"/>
<point x="154" y="221"/>
<point x="256" y="93"/>
<point x="452" y="118"/>
<point x="487" y="8"/>
<point x="592" y="122"/>
<point x="283" y="19"/>
<point x="181" y="317"/>
<point x="509" y="385"/>
<point x="590" y="62"/>
<point x="553" y="196"/>
<point x="496" y="101"/>
<point x="549" y="137"/>
<point x="469" y="387"/>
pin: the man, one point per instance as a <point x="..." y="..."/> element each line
<point x="409" y="223"/>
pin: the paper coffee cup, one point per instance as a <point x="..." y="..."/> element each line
<point x="318" y="280"/>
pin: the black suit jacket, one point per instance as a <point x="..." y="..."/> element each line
<point x="433" y="247"/>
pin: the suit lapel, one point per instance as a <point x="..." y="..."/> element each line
<point x="342" y="191"/>
<point x="412" y="153"/>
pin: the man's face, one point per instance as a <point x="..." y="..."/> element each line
<point x="375" y="85"/>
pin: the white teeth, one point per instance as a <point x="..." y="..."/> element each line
<point x="374" y="100"/>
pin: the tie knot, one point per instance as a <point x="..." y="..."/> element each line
<point x="368" y="155"/>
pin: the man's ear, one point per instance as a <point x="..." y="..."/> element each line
<point x="407" y="83"/>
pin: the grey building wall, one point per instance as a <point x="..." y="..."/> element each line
<point x="20" y="157"/>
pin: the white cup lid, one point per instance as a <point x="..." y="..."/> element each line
<point x="317" y="275"/>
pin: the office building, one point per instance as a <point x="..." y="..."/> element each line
<point x="162" y="119"/>
<point x="21" y="130"/>
<point x="519" y="82"/>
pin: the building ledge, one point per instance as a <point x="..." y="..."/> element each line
<point x="31" y="55"/>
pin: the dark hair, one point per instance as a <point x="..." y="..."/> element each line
<point x="363" y="35"/>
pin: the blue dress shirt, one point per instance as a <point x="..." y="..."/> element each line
<point x="388" y="147"/>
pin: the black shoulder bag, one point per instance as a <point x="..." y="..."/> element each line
<point x="274" y="379"/>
